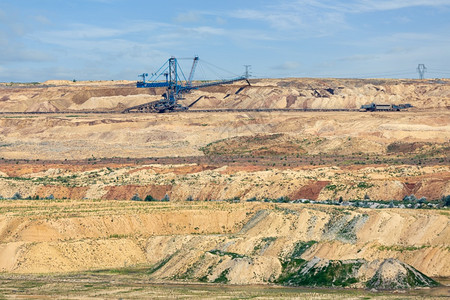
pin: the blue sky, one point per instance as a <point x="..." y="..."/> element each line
<point x="118" y="39"/>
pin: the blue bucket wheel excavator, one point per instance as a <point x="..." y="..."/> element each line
<point x="175" y="87"/>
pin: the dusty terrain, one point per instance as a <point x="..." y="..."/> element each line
<point x="184" y="134"/>
<point x="216" y="182"/>
<point x="276" y="154"/>
<point x="85" y="167"/>
<point x="133" y="285"/>
<point x="263" y="93"/>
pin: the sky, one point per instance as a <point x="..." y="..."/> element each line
<point x="117" y="40"/>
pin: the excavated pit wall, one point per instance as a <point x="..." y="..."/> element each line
<point x="55" y="236"/>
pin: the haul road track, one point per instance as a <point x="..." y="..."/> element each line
<point x="188" y="111"/>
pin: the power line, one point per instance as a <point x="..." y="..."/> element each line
<point x="388" y="74"/>
<point x="439" y="72"/>
<point x="217" y="67"/>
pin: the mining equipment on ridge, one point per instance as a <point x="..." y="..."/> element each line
<point x="385" y="107"/>
<point x="175" y="87"/>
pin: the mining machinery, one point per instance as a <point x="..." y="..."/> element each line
<point x="175" y="87"/>
<point x="385" y="107"/>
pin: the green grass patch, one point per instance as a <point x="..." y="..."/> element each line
<point x="222" y="278"/>
<point x="292" y="263"/>
<point x="118" y="236"/>
<point x="263" y="244"/>
<point x="124" y="271"/>
<point x="334" y="274"/>
<point x="364" y="185"/>
<point x="223" y="253"/>
<point x="160" y="264"/>
<point x="401" y="248"/>
<point x="136" y="270"/>
<point x="331" y="187"/>
<point x="301" y="247"/>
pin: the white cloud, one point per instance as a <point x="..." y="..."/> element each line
<point x="362" y="6"/>
<point x="84" y="31"/>
<point x="104" y="1"/>
<point x="324" y="17"/>
<point x="359" y="57"/>
<point x="287" y="66"/>
<point x="14" y="45"/>
<point x="371" y="5"/>
<point x="207" y="30"/>
<point x="303" y="18"/>
<point x="221" y="21"/>
<point x="188" y="17"/>
<point x="276" y="35"/>
<point x="43" y="20"/>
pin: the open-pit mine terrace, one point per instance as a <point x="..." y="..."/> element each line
<point x="218" y="170"/>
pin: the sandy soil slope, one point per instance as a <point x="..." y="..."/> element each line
<point x="299" y="155"/>
<point x="206" y="182"/>
<point x="204" y="239"/>
<point x="263" y="93"/>
<point x="184" y="134"/>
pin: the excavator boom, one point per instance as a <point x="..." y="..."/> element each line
<point x="174" y="87"/>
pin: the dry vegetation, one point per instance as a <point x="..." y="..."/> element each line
<point x="131" y="285"/>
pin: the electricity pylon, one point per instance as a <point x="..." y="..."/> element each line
<point x="421" y="69"/>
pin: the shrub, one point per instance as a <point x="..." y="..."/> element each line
<point x="16" y="196"/>
<point x="234" y="200"/>
<point x="149" y="198"/>
<point x="364" y="185"/>
<point x="136" y="198"/>
<point x="165" y="198"/>
<point x="331" y="187"/>
<point x="446" y="201"/>
<point x="410" y="198"/>
<point x="282" y="199"/>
